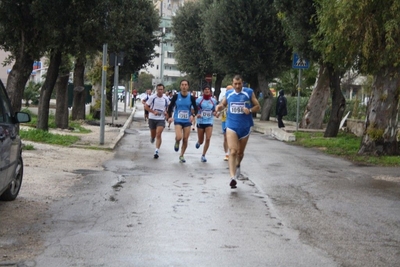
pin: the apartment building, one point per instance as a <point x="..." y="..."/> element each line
<point x="164" y="67"/>
<point x="38" y="69"/>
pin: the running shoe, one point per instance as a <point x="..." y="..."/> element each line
<point x="203" y="159"/>
<point x="152" y="140"/>
<point x="182" y="159"/>
<point x="176" y="147"/>
<point x="233" y="183"/>
<point x="156" y="155"/>
<point x="197" y="145"/>
<point x="226" y="158"/>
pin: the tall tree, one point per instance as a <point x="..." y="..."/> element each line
<point x="191" y="53"/>
<point x="299" y="21"/>
<point x="366" y="33"/>
<point x="61" y="87"/>
<point x="79" y="93"/>
<point x="58" y="42"/>
<point x="20" y="34"/>
<point x="246" y="37"/>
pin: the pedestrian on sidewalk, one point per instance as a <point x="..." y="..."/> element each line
<point x="134" y="95"/>
<point x="281" y="108"/>
<point x="241" y="103"/>
<point x="206" y="105"/>
<point x="157" y="106"/>
<point x="182" y="104"/>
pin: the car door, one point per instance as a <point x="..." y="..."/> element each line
<point x="5" y="142"/>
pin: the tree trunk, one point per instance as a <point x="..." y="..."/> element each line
<point x="315" y="111"/>
<point x="46" y="91"/>
<point x="380" y="134"/>
<point x="267" y="96"/>
<point x="62" y="101"/>
<point x="18" y="77"/>
<point x="78" y="104"/>
<point x="338" y="105"/>
<point x="217" y="85"/>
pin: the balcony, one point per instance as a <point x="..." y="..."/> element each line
<point x="169" y="61"/>
<point x="172" y="73"/>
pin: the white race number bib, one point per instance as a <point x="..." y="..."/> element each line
<point x="236" y="107"/>
<point x="183" y="114"/>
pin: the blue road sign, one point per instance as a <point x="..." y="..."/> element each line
<point x="300" y="63"/>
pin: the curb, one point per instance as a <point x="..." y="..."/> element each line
<point x="275" y="132"/>
<point x="122" y="130"/>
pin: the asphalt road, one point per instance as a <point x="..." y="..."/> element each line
<point x="294" y="207"/>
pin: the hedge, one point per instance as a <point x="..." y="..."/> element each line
<point x="353" y="106"/>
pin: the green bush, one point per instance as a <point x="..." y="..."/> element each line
<point x="32" y="93"/>
<point x="291" y="107"/>
<point x="354" y="106"/>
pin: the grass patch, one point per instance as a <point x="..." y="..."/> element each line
<point x="345" y="145"/>
<point x="28" y="147"/>
<point x="75" y="125"/>
<point x="41" y="136"/>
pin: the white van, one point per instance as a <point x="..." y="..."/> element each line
<point x="121" y="92"/>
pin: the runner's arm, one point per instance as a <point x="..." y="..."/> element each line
<point x="221" y="105"/>
<point x="256" y="104"/>
<point x="194" y="105"/>
<point x="171" y="105"/>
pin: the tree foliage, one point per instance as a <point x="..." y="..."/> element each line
<point x="299" y="22"/>
<point x="366" y="34"/>
<point x="246" y="37"/>
<point x="191" y="53"/>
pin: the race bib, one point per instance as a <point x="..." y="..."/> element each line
<point x="159" y="112"/>
<point x="237" y="107"/>
<point x="206" y="113"/>
<point x="183" y="114"/>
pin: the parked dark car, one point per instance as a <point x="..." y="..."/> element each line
<point x="11" y="165"/>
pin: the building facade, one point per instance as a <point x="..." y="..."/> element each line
<point x="38" y="69"/>
<point x="164" y="67"/>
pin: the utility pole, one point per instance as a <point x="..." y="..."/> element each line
<point x="103" y="94"/>
<point x="162" y="45"/>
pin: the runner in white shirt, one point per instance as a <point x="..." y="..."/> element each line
<point x="157" y="106"/>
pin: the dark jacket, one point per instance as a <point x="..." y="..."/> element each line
<point x="281" y="108"/>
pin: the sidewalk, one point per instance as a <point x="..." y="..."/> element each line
<point x="114" y="129"/>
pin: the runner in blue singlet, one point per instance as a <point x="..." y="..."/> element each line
<point x="206" y="105"/>
<point x="240" y="104"/>
<point x="182" y="105"/>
